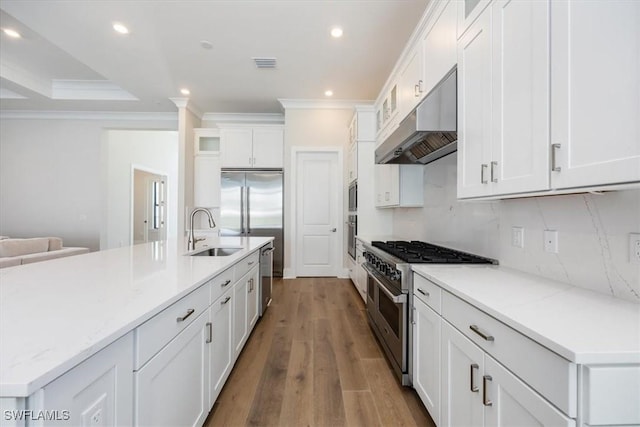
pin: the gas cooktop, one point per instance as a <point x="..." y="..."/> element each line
<point x="415" y="252"/>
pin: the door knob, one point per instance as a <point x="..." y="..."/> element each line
<point x="333" y="230"/>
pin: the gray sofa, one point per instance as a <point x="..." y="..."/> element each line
<point x="26" y="251"/>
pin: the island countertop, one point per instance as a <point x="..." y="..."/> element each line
<point x="55" y="314"/>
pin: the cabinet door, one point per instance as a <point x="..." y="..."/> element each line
<point x="239" y="315"/>
<point x="253" y="298"/>
<point x="468" y="11"/>
<point x="520" y="138"/>
<point x="410" y="83"/>
<point x="426" y="357"/>
<point x="206" y="182"/>
<point x="353" y="162"/>
<point x="510" y="402"/>
<point x="474" y="109"/>
<point x="595" y="101"/>
<point x="361" y="275"/>
<point x="268" y="148"/>
<point x="439" y="48"/>
<point x="462" y="368"/>
<point x="220" y="350"/>
<point x="172" y="388"/>
<point x="236" y="148"/>
<point x="99" y="391"/>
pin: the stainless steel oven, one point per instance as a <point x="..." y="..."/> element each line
<point x="352" y="230"/>
<point x="353" y="197"/>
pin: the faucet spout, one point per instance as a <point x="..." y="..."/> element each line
<point x="192" y="238"/>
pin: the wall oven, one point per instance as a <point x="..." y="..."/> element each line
<point x="353" y="197"/>
<point x="352" y="230"/>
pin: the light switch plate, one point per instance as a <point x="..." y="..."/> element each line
<point x="634" y="248"/>
<point x="551" y="241"/>
<point x="517" y="237"/>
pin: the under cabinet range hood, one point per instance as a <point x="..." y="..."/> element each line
<point x="429" y="132"/>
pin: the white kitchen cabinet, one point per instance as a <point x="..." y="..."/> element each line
<point x="595" y="64"/>
<point x="503" y="108"/>
<point x="352" y="163"/>
<point x="220" y="348"/>
<point x="361" y="273"/>
<point x="468" y="12"/>
<point x="240" y="329"/>
<point x="426" y="356"/>
<point x="206" y="141"/>
<point x="206" y="182"/>
<point x="98" y="391"/>
<point x="253" y="298"/>
<point x="172" y="388"/>
<point x="410" y="83"/>
<point x="252" y="147"/>
<point x="399" y="185"/>
<point x="439" y="47"/>
<point x="387" y="112"/>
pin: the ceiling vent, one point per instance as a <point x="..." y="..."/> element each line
<point x="265" y="63"/>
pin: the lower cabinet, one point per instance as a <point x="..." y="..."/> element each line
<point x="97" y="392"/>
<point x="172" y="388"/>
<point x="220" y="348"/>
<point x="253" y="297"/>
<point x="426" y="357"/>
<point x="240" y="323"/>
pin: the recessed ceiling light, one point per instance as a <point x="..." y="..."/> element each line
<point x="120" y="28"/>
<point x="206" y="44"/>
<point x="12" y="33"/>
<point x="328" y="93"/>
<point x="336" y="32"/>
<point x="185" y="91"/>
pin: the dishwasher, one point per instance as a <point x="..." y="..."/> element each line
<point x="266" y="276"/>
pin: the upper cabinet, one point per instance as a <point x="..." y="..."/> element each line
<point x="206" y="168"/>
<point x="410" y="83"/>
<point x="252" y="147"/>
<point x="544" y="108"/>
<point x="206" y="141"/>
<point x="595" y="96"/>
<point x="438" y="46"/>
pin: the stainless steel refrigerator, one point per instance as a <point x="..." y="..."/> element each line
<point x="252" y="205"/>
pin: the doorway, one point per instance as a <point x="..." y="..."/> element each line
<point x="149" y="207"/>
<point x="318" y="203"/>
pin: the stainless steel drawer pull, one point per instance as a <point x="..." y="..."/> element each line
<point x="477" y="330"/>
<point x="493" y="172"/>
<point x="472" y="386"/>
<point x="554" y="161"/>
<point x="226" y="300"/>
<point x="226" y="283"/>
<point x="426" y="294"/>
<point x="183" y="318"/>
<point x="485" y="401"/>
<point x="250" y="263"/>
<point x="210" y="328"/>
<point x="483" y="168"/>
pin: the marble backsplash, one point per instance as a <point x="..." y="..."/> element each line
<point x="593" y="231"/>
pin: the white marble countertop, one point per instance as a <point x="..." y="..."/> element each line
<point x="55" y="314"/>
<point x="578" y="324"/>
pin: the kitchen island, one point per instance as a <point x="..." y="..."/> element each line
<point x="65" y="314"/>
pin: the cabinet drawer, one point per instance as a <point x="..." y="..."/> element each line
<point x="221" y="283"/>
<point x="549" y="374"/>
<point x="156" y="332"/>
<point x="427" y="291"/>
<point x="243" y="266"/>
<point x="610" y="394"/>
<point x="359" y="245"/>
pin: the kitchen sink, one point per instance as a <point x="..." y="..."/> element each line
<point x="217" y="252"/>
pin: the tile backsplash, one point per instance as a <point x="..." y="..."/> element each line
<point x="593" y="231"/>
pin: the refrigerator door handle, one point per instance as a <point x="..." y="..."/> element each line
<point x="241" y="211"/>
<point x="248" y="212"/>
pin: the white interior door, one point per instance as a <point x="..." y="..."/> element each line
<point x="317" y="213"/>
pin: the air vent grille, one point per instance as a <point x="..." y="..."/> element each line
<point x="265" y="63"/>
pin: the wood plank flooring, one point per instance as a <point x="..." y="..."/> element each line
<point x="312" y="360"/>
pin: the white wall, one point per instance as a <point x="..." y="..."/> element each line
<point x="51" y="178"/>
<point x="152" y="151"/>
<point x="592" y="231"/>
<point x="309" y="128"/>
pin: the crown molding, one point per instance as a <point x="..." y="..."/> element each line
<point x="99" y="90"/>
<point x="87" y="115"/>
<point x="321" y="104"/>
<point x="187" y="104"/>
<point x="265" y="118"/>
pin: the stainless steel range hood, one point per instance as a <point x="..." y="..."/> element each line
<point x="429" y="132"/>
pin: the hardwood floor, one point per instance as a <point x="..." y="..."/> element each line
<point x="312" y="360"/>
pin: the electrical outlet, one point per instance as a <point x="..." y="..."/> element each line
<point x="517" y="237"/>
<point x="551" y="241"/>
<point x="634" y="248"/>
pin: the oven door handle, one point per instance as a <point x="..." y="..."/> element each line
<point x="398" y="299"/>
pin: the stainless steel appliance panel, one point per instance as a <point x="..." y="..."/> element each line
<point x="352" y="230"/>
<point x="266" y="276"/>
<point x="353" y="197"/>
<point x="232" y="207"/>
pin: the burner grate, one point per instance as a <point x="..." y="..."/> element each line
<point x="416" y="252"/>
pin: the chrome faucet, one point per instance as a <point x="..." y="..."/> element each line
<point x="192" y="238"/>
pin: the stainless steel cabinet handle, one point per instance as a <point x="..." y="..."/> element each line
<point x="426" y="294"/>
<point x="183" y="318"/>
<point x="333" y="230"/>
<point x="416" y="91"/>
<point x="472" y="386"/>
<point x="420" y="86"/>
<point x="250" y="262"/>
<point x="554" y="162"/>
<point x="225" y="283"/>
<point x="493" y="173"/>
<point x="485" y="401"/>
<point x="483" y="168"/>
<point x="210" y="337"/>
<point x="477" y="330"/>
<point x="226" y="300"/>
